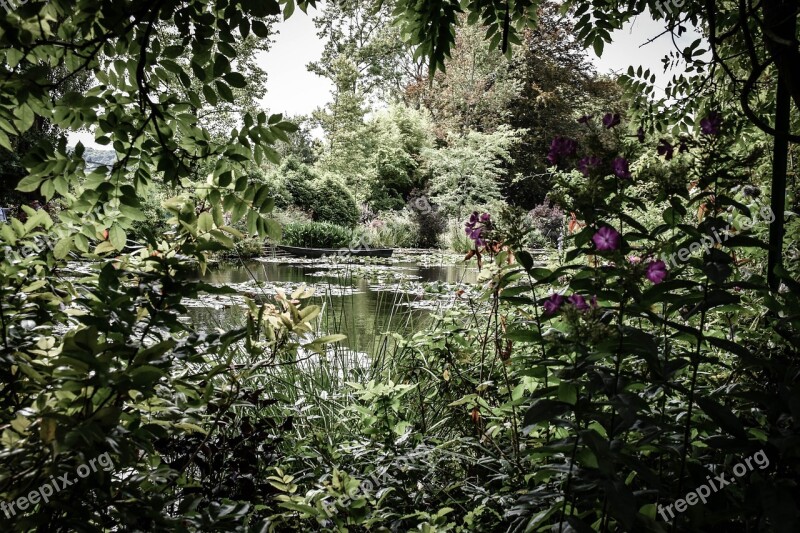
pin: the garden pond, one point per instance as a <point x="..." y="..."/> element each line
<point x="366" y="299"/>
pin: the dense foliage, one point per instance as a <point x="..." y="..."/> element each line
<point x="654" y="352"/>
<point x="316" y="235"/>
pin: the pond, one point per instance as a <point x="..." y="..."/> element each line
<point x="363" y="298"/>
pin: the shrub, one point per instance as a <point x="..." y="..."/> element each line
<point x="391" y="230"/>
<point x="429" y="219"/>
<point x="245" y="248"/>
<point x="317" y="235"/>
<point x="548" y="223"/>
<point x="455" y="238"/>
<point x="155" y="221"/>
<point x="333" y="203"/>
<point x="298" y="180"/>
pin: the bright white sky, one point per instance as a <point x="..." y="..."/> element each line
<point x="292" y="90"/>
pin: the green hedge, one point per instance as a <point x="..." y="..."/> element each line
<point x="316" y="235"/>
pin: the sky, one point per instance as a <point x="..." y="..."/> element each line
<point x="292" y="90"/>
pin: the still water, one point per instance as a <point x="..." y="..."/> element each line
<point x="365" y="299"/>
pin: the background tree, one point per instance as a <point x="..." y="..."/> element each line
<point x="475" y="92"/>
<point x="466" y="174"/>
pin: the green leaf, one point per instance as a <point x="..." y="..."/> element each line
<point x="235" y="79"/>
<point x="260" y="29"/>
<point x="205" y="222"/>
<point x="598" y="46"/>
<point x="224" y="91"/>
<point x="288" y="10"/>
<point x="221" y="65"/>
<point x="723" y="416"/>
<point x="328" y="339"/>
<point x="146" y="376"/>
<point x="567" y="393"/>
<point x="172" y="51"/>
<point x="62" y="248"/>
<point x="238" y="210"/>
<point x="117" y="237"/>
<point x="29" y="183"/>
<point x="545" y="409"/>
<point x="211" y="96"/>
<point x="4" y="141"/>
<point x="198" y="70"/>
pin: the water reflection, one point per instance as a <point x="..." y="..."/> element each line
<point x="386" y="297"/>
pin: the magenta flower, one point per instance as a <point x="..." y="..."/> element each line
<point x="484" y="217"/>
<point x="666" y="149"/>
<point x="640" y="134"/>
<point x="656" y="271"/>
<point x="560" y="148"/>
<point x="711" y="124"/>
<point x="553" y="304"/>
<point x="620" y="168"/>
<point x="609" y="120"/>
<point x="586" y="164"/>
<point x="606" y="238"/>
<point x="578" y="301"/>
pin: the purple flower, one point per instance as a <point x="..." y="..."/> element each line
<point x="578" y="301"/>
<point x="640" y="134"/>
<point x="552" y="304"/>
<point x="609" y="120"/>
<point x="585" y="119"/>
<point x="606" y="238"/>
<point x="620" y="167"/>
<point x="560" y="148"/>
<point x="711" y="124"/>
<point x="666" y="149"/>
<point x="475" y="226"/>
<point x="656" y="271"/>
<point x="475" y="234"/>
<point x="588" y="163"/>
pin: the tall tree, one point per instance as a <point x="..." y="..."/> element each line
<point x="476" y="91"/>
<point x="557" y="85"/>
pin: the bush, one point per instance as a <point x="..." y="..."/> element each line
<point x="298" y="180"/>
<point x="333" y="203"/>
<point x="455" y="238"/>
<point x="156" y="216"/>
<point x="317" y="235"/>
<point x="391" y="230"/>
<point x="548" y="224"/>
<point x="245" y="248"/>
<point x="430" y="221"/>
<point x="325" y="199"/>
